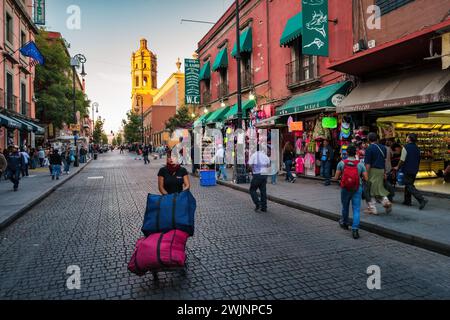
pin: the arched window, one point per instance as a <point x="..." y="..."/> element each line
<point x="137" y="81"/>
<point x="145" y="81"/>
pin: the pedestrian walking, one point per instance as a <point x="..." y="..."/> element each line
<point x="409" y="163"/>
<point x="68" y="161"/>
<point x="41" y="155"/>
<point x="259" y="163"/>
<point x="327" y="155"/>
<point x="55" y="162"/>
<point x="353" y="172"/>
<point x="220" y="162"/>
<point x="375" y="161"/>
<point x="288" y="159"/>
<point x="145" y="154"/>
<point x="14" y="167"/>
<point x="3" y="163"/>
<point x="173" y="178"/>
<point x="26" y="162"/>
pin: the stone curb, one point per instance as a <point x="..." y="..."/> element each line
<point x="420" y="242"/>
<point x="19" y="213"/>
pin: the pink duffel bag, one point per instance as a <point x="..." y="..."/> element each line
<point x="159" y="251"/>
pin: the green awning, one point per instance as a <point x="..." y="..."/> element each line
<point x="205" y="72"/>
<point x="7" y="122"/>
<point x="246" y="106"/>
<point x="326" y="97"/>
<point x="202" y="120"/>
<point x="293" y="30"/>
<point x="25" y="126"/>
<point x="246" y="42"/>
<point x="218" y="115"/>
<point x="221" y="60"/>
<point x="36" y="129"/>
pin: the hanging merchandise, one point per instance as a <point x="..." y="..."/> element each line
<point x="344" y="154"/>
<point x="320" y="133"/>
<point x="300" y="165"/>
<point x="290" y="120"/>
<point x="346" y="130"/>
<point x="329" y="123"/>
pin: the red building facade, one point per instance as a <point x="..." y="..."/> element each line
<point x="273" y="73"/>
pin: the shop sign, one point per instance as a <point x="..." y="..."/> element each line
<point x="39" y="12"/>
<point x="315" y="29"/>
<point x="337" y="99"/>
<point x="192" y="83"/>
<point x="296" y="126"/>
<point x="75" y="127"/>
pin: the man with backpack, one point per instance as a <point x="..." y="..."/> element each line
<point x="352" y="172"/>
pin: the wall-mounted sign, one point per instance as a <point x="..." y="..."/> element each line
<point x="192" y="83"/>
<point x="296" y="126"/>
<point x="315" y="27"/>
<point x="39" y="12"/>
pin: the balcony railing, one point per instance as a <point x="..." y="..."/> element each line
<point x="11" y="102"/>
<point x="247" y="78"/>
<point x="206" y="97"/>
<point x="222" y="90"/>
<point x="24" y="107"/>
<point x="299" y="71"/>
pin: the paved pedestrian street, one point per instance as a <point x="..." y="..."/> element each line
<point x="94" y="220"/>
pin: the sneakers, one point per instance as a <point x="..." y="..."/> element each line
<point x="264" y="210"/>
<point x="388" y="206"/>
<point x="355" y="234"/>
<point x="371" y="211"/>
<point x="343" y="226"/>
<point x="53" y="177"/>
<point x="423" y="204"/>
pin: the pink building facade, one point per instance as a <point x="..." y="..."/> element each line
<point x="16" y="76"/>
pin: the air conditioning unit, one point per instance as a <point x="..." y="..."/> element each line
<point x="359" y="46"/>
<point x="371" y="44"/>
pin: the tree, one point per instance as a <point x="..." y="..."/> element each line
<point x="114" y="142"/>
<point x="119" y="139"/>
<point x="132" y="128"/>
<point x="104" y="138"/>
<point x="54" y="84"/>
<point x="181" y="120"/>
<point x="98" y="131"/>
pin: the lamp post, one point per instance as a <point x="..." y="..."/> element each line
<point x="75" y="63"/>
<point x="94" y="107"/>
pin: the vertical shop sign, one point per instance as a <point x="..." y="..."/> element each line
<point x="315" y="30"/>
<point x="39" y="12"/>
<point x="192" y="83"/>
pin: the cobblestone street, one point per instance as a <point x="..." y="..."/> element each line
<point x="235" y="253"/>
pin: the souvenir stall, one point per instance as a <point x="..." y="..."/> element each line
<point x="433" y="131"/>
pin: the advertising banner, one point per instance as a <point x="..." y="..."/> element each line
<point x="192" y="83"/>
<point x="315" y="27"/>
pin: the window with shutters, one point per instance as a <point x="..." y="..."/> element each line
<point x="387" y="6"/>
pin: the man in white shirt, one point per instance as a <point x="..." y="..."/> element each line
<point x="260" y="165"/>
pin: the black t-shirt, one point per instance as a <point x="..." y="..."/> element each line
<point x="173" y="183"/>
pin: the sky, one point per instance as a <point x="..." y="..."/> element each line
<point x="110" y="31"/>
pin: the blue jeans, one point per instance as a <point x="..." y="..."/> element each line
<point x="288" y="165"/>
<point x="67" y="167"/>
<point x="56" y="170"/>
<point x="325" y="171"/>
<point x="355" y="198"/>
<point x="13" y="176"/>
<point x="274" y="178"/>
<point x="222" y="172"/>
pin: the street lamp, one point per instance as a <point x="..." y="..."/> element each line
<point x="75" y="64"/>
<point x="139" y="98"/>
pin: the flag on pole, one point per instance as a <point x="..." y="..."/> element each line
<point x="31" y="50"/>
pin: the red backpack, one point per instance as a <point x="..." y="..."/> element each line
<point x="350" y="176"/>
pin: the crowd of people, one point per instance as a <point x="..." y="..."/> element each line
<point x="16" y="162"/>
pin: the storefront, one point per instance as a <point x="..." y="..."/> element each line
<point x="309" y="119"/>
<point x="413" y="101"/>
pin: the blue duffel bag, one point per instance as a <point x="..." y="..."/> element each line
<point x="170" y="212"/>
